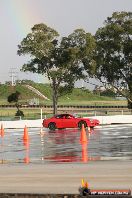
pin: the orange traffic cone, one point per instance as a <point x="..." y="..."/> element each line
<point x="25" y="136"/>
<point x="83" y="137"/>
<point x="2" y="131"/>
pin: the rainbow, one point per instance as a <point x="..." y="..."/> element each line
<point x="22" y="15"/>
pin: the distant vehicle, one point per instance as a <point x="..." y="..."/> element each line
<point x="61" y="121"/>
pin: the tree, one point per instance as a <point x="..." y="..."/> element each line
<point x="108" y="93"/>
<point x="114" y="53"/>
<point x="14" y="97"/>
<point x="60" y="59"/>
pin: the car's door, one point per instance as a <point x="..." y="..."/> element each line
<point x="59" y="121"/>
<point x="69" y="122"/>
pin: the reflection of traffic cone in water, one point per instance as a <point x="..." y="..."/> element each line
<point x="83" y="137"/>
<point x="26" y="144"/>
<point x="25" y="136"/>
<point x="2" y="131"/>
<point x="84" y="152"/>
<point x="27" y="159"/>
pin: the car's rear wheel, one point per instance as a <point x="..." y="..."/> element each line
<point x="52" y="126"/>
<point x="81" y="123"/>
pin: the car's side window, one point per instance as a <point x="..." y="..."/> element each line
<point x="60" y="117"/>
<point x="68" y="116"/>
<point x="57" y="117"/>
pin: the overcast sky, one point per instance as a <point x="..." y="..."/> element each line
<point x="18" y="16"/>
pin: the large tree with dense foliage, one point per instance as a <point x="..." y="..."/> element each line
<point x="114" y="53"/>
<point x="61" y="59"/>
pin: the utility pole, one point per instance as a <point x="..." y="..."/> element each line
<point x="13" y="76"/>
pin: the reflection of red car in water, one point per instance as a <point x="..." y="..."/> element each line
<point x="68" y="121"/>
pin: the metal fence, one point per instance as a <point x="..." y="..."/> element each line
<point x="42" y="114"/>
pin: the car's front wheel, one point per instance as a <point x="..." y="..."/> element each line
<point x="81" y="123"/>
<point x="52" y="126"/>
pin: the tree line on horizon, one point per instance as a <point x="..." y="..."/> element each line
<point x="106" y="56"/>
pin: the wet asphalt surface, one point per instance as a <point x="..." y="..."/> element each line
<point x="111" y="142"/>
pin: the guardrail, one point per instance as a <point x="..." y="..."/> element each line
<point x="69" y="106"/>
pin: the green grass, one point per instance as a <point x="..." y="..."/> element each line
<point x="28" y="113"/>
<point x="77" y="97"/>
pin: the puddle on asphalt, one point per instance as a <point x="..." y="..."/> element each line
<point x="64" y="146"/>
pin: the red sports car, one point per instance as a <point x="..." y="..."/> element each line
<point x="61" y="121"/>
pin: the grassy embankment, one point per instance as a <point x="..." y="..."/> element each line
<point x="77" y="97"/>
